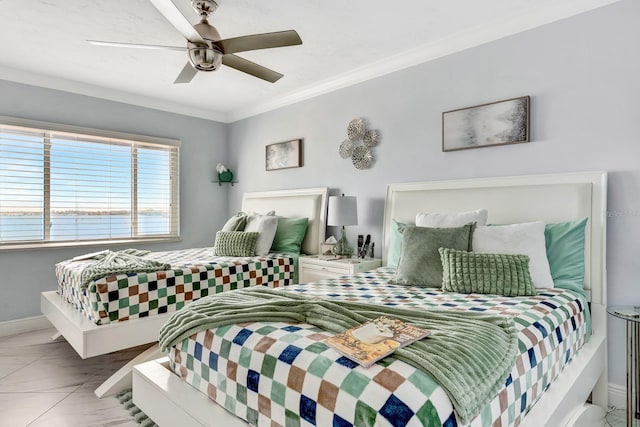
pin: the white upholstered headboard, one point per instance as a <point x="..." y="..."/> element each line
<point x="306" y="202"/>
<point x="513" y="199"/>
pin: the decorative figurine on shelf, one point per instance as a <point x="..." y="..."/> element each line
<point x="224" y="174"/>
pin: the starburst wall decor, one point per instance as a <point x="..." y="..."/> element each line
<point x="359" y="144"/>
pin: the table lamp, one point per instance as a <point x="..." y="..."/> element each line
<point x="343" y="211"/>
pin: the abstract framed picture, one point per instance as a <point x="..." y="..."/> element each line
<point x="284" y="155"/>
<point x="486" y="125"/>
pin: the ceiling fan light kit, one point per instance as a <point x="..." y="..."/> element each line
<point x="207" y="51"/>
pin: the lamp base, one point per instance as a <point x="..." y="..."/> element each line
<point x="343" y="248"/>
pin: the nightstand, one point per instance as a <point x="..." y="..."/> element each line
<point x="314" y="268"/>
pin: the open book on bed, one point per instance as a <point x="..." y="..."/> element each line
<point x="375" y="339"/>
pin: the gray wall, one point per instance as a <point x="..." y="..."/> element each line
<point x="582" y="75"/>
<point x="24" y="274"/>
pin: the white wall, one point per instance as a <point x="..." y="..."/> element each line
<point x="24" y="274"/>
<point x="583" y="76"/>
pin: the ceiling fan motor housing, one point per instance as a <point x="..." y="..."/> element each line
<point x="204" y="57"/>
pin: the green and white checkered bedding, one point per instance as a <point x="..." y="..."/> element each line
<point x="279" y="374"/>
<point x="194" y="273"/>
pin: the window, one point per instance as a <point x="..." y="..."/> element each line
<point x="63" y="185"/>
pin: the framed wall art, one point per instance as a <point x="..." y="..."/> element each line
<point x="284" y="155"/>
<point x="486" y="125"/>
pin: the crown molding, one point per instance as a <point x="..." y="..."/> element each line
<point x="66" y="85"/>
<point x="474" y="37"/>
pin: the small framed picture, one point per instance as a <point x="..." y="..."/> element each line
<point x="284" y="155"/>
<point x="486" y="125"/>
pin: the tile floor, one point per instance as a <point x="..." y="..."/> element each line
<point x="45" y="383"/>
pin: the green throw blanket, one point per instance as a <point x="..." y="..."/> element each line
<point x="121" y="262"/>
<point x="469" y="354"/>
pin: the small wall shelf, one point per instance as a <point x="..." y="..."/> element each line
<point x="225" y="182"/>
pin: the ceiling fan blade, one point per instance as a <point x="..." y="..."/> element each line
<point x="177" y="19"/>
<point x="186" y="75"/>
<point x="251" y="68"/>
<point x="135" y="45"/>
<point x="259" y="41"/>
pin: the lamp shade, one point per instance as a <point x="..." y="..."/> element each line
<point x="343" y="210"/>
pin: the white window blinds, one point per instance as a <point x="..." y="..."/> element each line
<point x="60" y="186"/>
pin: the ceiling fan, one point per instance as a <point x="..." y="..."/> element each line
<point x="207" y="51"/>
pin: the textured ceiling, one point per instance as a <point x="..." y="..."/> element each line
<point x="344" y="42"/>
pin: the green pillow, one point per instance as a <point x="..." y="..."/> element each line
<point x="482" y="273"/>
<point x="236" y="222"/>
<point x="395" y="243"/>
<point x="565" y="243"/>
<point x="235" y="243"/>
<point x="289" y="235"/>
<point x="420" y="263"/>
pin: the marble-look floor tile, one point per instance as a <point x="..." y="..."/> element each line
<point x="82" y="408"/>
<point x="20" y="409"/>
<point x="10" y="364"/>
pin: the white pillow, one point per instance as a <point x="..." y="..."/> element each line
<point x="266" y="225"/>
<point x="433" y="219"/>
<point x="526" y="239"/>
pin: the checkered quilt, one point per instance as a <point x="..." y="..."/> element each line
<point x="194" y="273"/>
<point x="278" y="374"/>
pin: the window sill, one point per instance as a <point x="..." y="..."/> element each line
<point x="78" y="244"/>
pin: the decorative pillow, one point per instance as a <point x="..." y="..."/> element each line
<point x="517" y="239"/>
<point x="235" y="243"/>
<point x="236" y="222"/>
<point x="565" y="242"/>
<point x="289" y="234"/>
<point x="435" y="219"/>
<point x="266" y="225"/>
<point x="395" y="242"/>
<point x="420" y="263"/>
<point x="479" y="273"/>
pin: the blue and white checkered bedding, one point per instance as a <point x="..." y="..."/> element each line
<point x="277" y="374"/>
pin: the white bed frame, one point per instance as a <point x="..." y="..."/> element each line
<point x="551" y="198"/>
<point x="89" y="339"/>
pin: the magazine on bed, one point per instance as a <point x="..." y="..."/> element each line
<point x="375" y="339"/>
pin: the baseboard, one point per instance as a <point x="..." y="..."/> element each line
<point x="20" y="326"/>
<point x="617" y="396"/>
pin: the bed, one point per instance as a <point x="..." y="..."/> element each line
<point x="100" y="322"/>
<point x="551" y="333"/>
<point x="193" y="273"/>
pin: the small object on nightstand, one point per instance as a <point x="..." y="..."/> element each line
<point x="365" y="246"/>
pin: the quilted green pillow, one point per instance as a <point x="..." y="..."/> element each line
<point x="235" y="243"/>
<point x="482" y="273"/>
<point x="420" y="263"/>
